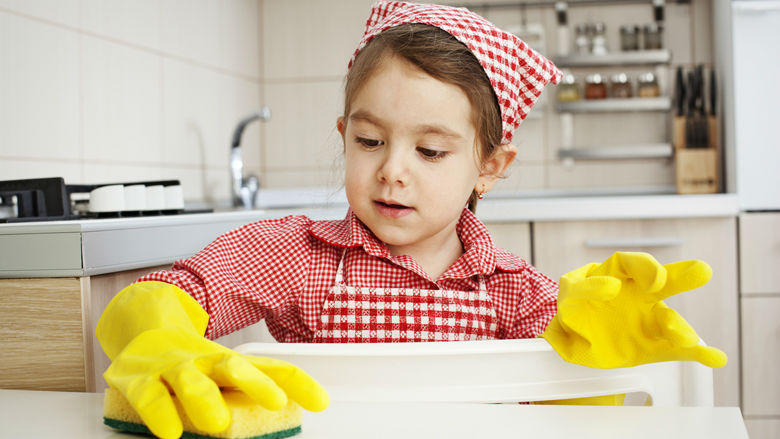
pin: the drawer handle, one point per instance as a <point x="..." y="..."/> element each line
<point x="633" y="242"/>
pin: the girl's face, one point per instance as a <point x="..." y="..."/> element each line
<point x="411" y="163"/>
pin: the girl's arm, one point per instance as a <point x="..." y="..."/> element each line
<point x="245" y="275"/>
<point x="533" y="302"/>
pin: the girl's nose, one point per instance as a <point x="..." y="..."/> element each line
<point x="394" y="168"/>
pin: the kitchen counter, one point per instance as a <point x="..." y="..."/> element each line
<point x="97" y="246"/>
<point x="79" y="415"/>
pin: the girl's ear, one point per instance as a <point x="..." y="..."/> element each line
<point x="494" y="167"/>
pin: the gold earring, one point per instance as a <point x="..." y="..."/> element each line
<point x="480" y="195"/>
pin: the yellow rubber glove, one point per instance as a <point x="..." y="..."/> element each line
<point x="153" y="332"/>
<point x="612" y="314"/>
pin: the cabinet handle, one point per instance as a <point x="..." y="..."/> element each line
<point x="633" y="242"/>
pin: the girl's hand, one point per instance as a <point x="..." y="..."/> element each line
<point x="612" y="314"/>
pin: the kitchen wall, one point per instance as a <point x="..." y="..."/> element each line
<point x="115" y="91"/>
<point x="306" y="45"/>
<point x="108" y="91"/>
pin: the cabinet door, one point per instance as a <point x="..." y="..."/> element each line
<point x="559" y="247"/>
<point x="41" y="335"/>
<point x="515" y="237"/>
<point x="761" y="356"/>
<point x="759" y="253"/>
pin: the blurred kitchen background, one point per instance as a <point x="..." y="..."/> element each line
<point x="111" y="91"/>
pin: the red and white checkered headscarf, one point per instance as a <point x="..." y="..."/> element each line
<point x="517" y="72"/>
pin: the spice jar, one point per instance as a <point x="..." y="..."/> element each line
<point x="647" y="86"/>
<point x="595" y="88"/>
<point x="581" y="39"/>
<point x="568" y="90"/>
<point x="599" y="40"/>
<point x="629" y="37"/>
<point x="621" y="87"/>
<point x="653" y="34"/>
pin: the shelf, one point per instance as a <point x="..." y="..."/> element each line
<point x="619" y="152"/>
<point x="663" y="103"/>
<point x="639" y="57"/>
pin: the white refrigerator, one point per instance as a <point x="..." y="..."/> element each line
<point x="755" y="29"/>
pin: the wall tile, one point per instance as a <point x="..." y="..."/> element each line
<point x="192" y="29"/>
<point x="240" y="37"/>
<point x="303" y="130"/>
<point x="311" y="38"/>
<point x="314" y="177"/>
<point x="96" y="172"/>
<point x="13" y="169"/>
<point x="58" y="11"/>
<point x="122" y="102"/>
<point x="39" y="89"/>
<point x="192" y="102"/>
<point x="213" y="32"/>
<point x="136" y="22"/>
<point x="241" y="98"/>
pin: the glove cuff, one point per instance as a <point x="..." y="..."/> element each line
<point x="147" y="305"/>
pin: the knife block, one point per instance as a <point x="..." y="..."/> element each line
<point x="696" y="169"/>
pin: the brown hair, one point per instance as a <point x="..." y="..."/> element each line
<point x="440" y="55"/>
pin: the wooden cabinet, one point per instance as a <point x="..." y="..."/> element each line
<point x="759" y="251"/>
<point x="559" y="247"/>
<point x="47" y="334"/>
<point x="42" y="334"/>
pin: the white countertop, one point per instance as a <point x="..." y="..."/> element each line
<point x="44" y="415"/>
<point x="97" y="246"/>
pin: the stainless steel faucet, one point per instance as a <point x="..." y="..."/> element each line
<point x="244" y="188"/>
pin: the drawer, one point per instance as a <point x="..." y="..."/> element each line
<point x="559" y="247"/>
<point x="761" y="356"/>
<point x="759" y="253"/>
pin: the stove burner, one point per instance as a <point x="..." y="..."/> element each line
<point x="50" y="199"/>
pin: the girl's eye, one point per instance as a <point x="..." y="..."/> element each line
<point x="369" y="143"/>
<point x="431" y="154"/>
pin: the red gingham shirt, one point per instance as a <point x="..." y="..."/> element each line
<point x="281" y="270"/>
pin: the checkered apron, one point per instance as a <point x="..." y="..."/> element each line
<point x="383" y="315"/>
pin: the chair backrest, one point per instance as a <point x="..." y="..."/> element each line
<point x="483" y="371"/>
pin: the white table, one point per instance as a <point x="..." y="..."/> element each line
<point x="42" y="415"/>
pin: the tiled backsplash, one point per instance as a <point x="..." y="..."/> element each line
<point x="103" y="91"/>
<point x="98" y="91"/>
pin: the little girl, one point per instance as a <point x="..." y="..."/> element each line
<point x="432" y="98"/>
<point x="426" y="127"/>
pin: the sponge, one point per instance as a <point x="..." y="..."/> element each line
<point x="248" y="419"/>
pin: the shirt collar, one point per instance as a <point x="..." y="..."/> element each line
<point x="479" y="257"/>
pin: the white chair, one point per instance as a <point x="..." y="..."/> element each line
<point x="483" y="371"/>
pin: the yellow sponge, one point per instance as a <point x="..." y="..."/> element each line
<point x="248" y="419"/>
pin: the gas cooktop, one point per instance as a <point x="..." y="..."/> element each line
<point x="50" y="199"/>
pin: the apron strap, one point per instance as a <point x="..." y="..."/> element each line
<point x="340" y="269"/>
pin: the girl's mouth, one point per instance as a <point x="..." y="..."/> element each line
<point x="392" y="210"/>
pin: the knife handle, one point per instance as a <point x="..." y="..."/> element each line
<point x="713" y="93"/>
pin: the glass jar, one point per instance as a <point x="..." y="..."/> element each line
<point x="647" y="86"/>
<point x="595" y="88"/>
<point x="621" y="86"/>
<point x="581" y="39"/>
<point x="568" y="90"/>
<point x="629" y="37"/>
<point x="653" y="36"/>
<point x="599" y="40"/>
